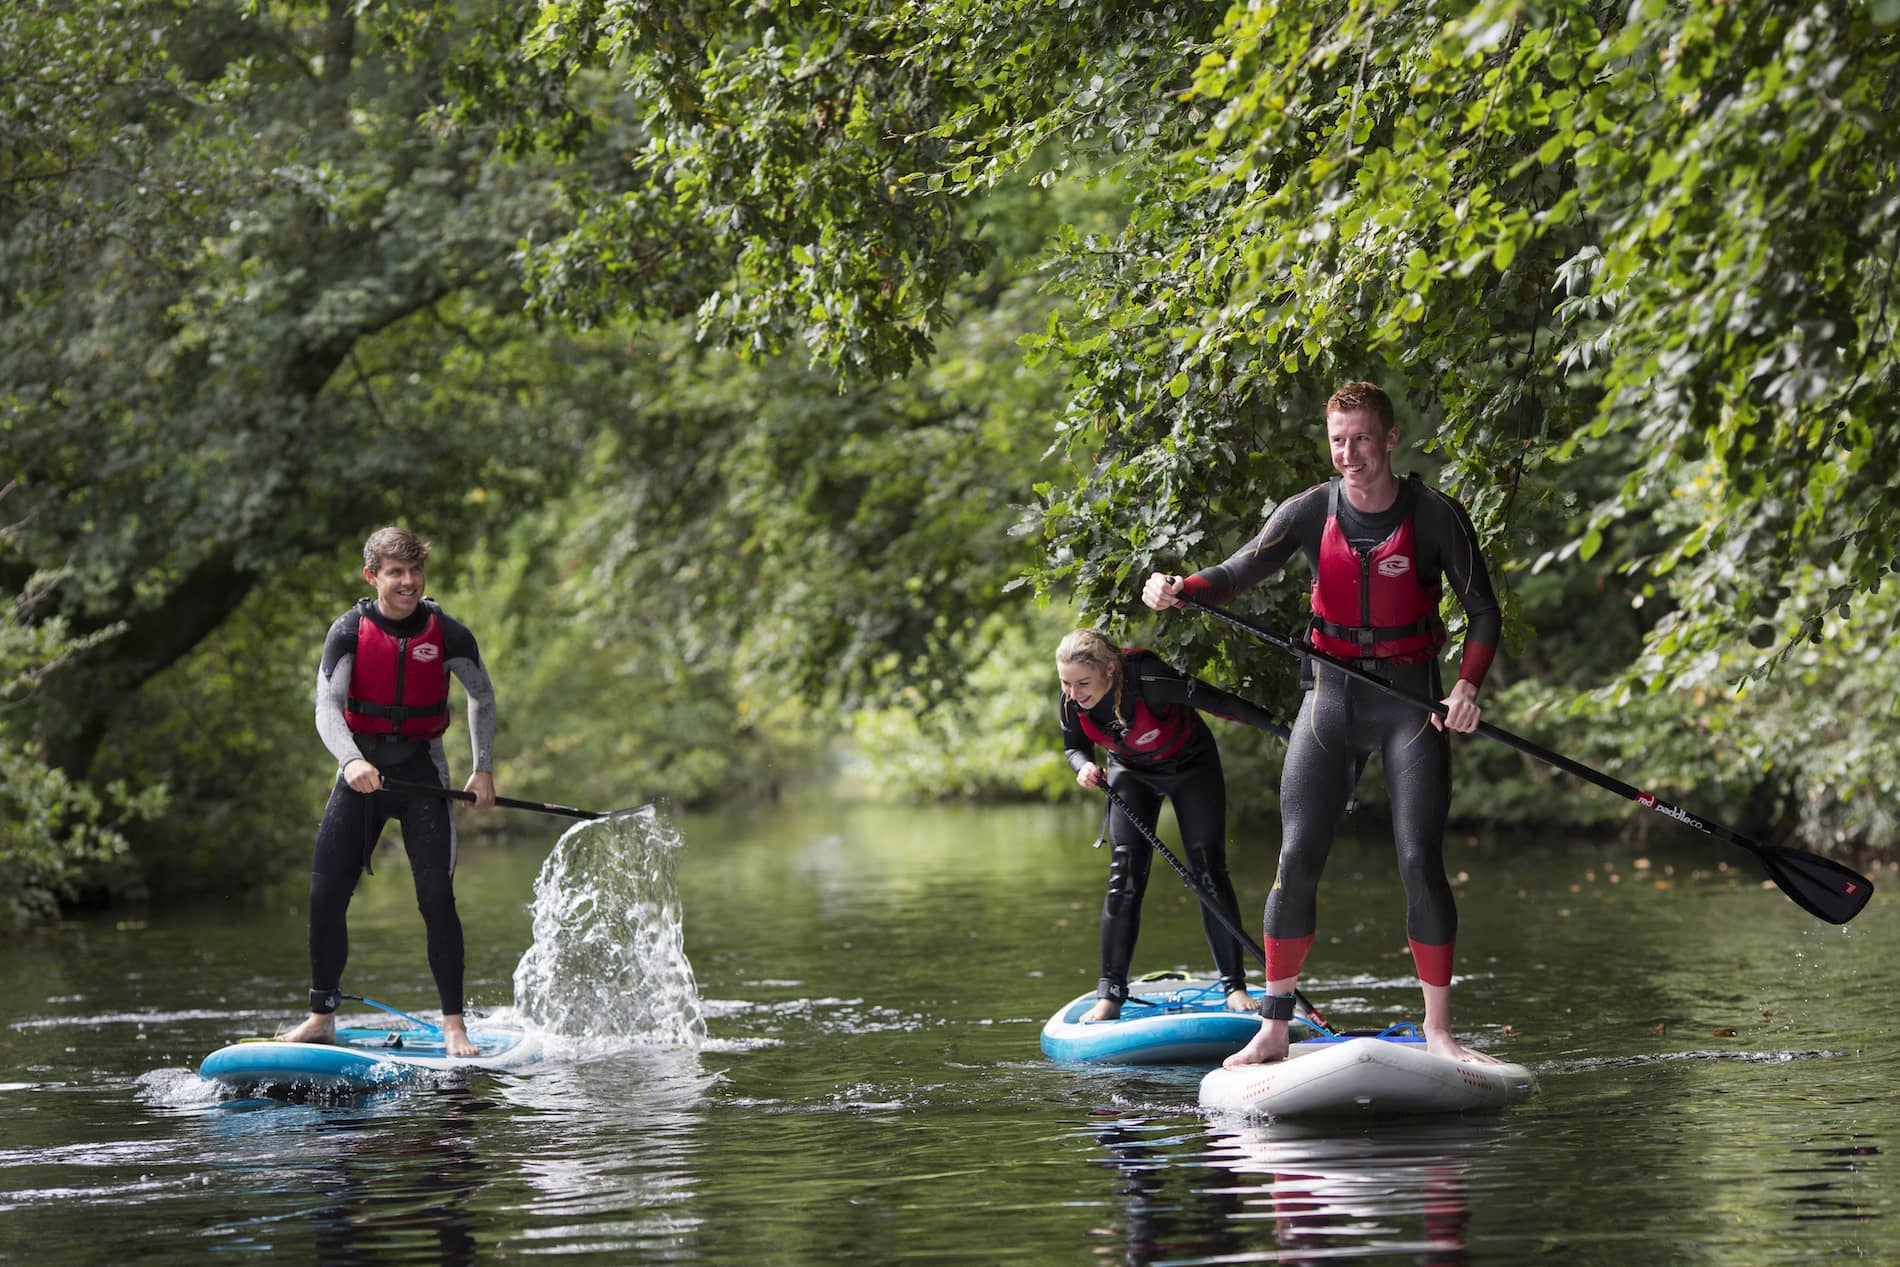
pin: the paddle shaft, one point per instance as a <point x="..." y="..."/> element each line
<point x="1212" y="907"/>
<point x="414" y="1020"/>
<point x="1836" y="894"/>
<point x="539" y="807"/>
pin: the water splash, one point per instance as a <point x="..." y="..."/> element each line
<point x="608" y="959"/>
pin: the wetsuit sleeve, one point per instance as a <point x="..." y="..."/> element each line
<point x="465" y="662"/>
<point x="1077" y="748"/>
<point x="1462" y="563"/>
<point x="1296" y="524"/>
<point x="333" y="690"/>
<point x="1165" y="684"/>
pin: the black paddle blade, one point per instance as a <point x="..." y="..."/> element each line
<point x="1820" y="886"/>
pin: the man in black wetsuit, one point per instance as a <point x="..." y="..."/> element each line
<point x="382" y="708"/>
<point x="1380" y="547"/>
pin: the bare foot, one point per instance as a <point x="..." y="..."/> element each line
<point x="1268" y="1045"/>
<point x="1104" y="1010"/>
<point x="320" y="1028"/>
<point x="1240" y="1001"/>
<point x="1441" y="1043"/>
<point x="455" y="1038"/>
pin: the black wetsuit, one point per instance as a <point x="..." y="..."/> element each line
<point x="1342" y="718"/>
<point x="353" y="821"/>
<point x="1158" y="703"/>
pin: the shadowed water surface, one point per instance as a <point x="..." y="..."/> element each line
<point x="811" y="1038"/>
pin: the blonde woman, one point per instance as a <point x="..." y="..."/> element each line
<point x="1143" y="712"/>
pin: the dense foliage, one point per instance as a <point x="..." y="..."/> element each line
<point x="55" y="831"/>
<point x="236" y="262"/>
<point x="1607" y="254"/>
<point x="743" y="357"/>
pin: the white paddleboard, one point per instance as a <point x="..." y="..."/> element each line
<point x="1368" y="1075"/>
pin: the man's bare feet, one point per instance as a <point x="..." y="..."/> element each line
<point x="455" y="1038"/>
<point x="1104" y="1010"/>
<point x="320" y="1028"/>
<point x="1441" y="1043"/>
<point x="1240" y="1001"/>
<point x="1268" y="1045"/>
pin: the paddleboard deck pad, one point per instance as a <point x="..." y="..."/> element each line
<point x="1170" y="1018"/>
<point x="1371" y="1075"/>
<point x="363" y="1059"/>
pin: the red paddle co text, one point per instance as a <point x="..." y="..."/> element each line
<point x="1647" y="801"/>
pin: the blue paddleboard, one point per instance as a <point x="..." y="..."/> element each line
<point x="1170" y="1018"/>
<point x="362" y="1059"/>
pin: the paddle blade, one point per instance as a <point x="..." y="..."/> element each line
<point x="1820" y="886"/>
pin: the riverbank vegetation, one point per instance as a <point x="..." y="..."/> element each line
<point x="777" y="381"/>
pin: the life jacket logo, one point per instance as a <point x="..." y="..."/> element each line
<point x="1397" y="565"/>
<point x="1146" y="737"/>
<point x="425" y="652"/>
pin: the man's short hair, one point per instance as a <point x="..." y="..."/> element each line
<point x="395" y="543"/>
<point x="1370" y="397"/>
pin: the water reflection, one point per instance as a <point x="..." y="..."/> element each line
<point x="607" y="1147"/>
<point x="871" y="1092"/>
<point x="1331" y="1190"/>
<point x="1157" y="1225"/>
<point x="386" y="1177"/>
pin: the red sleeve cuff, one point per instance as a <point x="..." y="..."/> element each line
<point x="1476" y="662"/>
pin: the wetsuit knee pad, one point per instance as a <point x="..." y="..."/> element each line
<point x="1216" y="884"/>
<point x="1124" y="885"/>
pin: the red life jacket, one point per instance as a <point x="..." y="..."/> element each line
<point x="398" y="686"/>
<point x="1374" y="606"/>
<point x="1150" y="735"/>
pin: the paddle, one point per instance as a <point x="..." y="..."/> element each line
<point x="1225" y="920"/>
<point x="413" y="1020"/>
<point x="1820" y="886"/>
<point x="539" y="807"/>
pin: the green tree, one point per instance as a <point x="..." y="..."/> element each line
<point x="1658" y="236"/>
<point x="54" y="832"/>
<point x="253" y="302"/>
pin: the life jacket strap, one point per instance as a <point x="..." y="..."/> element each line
<point x="396" y="712"/>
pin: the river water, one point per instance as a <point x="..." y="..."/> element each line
<point x="849" y="1072"/>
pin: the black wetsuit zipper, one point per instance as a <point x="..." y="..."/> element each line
<point x="402" y="664"/>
